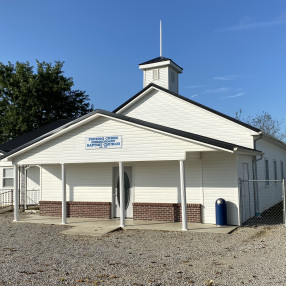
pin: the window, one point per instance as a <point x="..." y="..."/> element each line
<point x="266" y="171"/>
<point x="156" y="74"/>
<point x="275" y="169"/>
<point x="8" y="178"/>
<point x="282" y="170"/>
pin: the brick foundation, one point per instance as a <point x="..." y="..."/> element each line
<point x="77" y="209"/>
<point x="166" y="212"/>
<point x="141" y="211"/>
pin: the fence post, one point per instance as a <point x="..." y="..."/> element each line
<point x="238" y="200"/>
<point x="284" y="200"/>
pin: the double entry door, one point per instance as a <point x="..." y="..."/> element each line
<point x="128" y="191"/>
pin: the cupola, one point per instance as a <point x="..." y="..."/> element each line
<point x="161" y="71"/>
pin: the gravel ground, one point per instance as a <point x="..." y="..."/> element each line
<point x="34" y="254"/>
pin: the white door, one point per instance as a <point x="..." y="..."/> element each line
<point x="33" y="186"/>
<point x="128" y="188"/>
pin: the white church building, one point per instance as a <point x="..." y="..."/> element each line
<point x="158" y="156"/>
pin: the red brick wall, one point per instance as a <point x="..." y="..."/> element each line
<point x="166" y="212"/>
<point x="141" y="211"/>
<point x="77" y="209"/>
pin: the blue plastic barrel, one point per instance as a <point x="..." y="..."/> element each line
<point x="220" y="211"/>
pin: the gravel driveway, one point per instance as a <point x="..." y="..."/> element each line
<point x="34" y="254"/>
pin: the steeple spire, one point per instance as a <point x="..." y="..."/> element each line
<point x="161" y="39"/>
<point x="161" y="71"/>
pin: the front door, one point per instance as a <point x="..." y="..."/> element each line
<point x="128" y="190"/>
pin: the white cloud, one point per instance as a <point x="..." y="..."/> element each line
<point x="194" y="95"/>
<point x="233" y="96"/>
<point x="254" y="25"/>
<point x="227" y="77"/>
<point x="217" y="90"/>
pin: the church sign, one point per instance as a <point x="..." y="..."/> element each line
<point x="103" y="142"/>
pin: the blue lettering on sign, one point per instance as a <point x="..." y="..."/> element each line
<point x="104" y="142"/>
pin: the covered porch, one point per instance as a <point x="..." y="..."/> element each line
<point x="117" y="191"/>
<point x="179" y="191"/>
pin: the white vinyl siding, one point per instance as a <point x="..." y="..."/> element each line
<point x="165" y="109"/>
<point x="220" y="181"/>
<point x="84" y="182"/>
<point x="159" y="182"/>
<point x="269" y="193"/>
<point x="161" y="80"/>
<point x="272" y="152"/>
<point x="282" y="169"/>
<point x="138" y="144"/>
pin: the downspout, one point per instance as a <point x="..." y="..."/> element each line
<point x="255" y="177"/>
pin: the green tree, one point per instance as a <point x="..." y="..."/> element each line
<point x="29" y="99"/>
<point x="265" y="123"/>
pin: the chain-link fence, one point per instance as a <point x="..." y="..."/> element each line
<point x="262" y="202"/>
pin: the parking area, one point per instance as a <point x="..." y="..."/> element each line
<point x="40" y="254"/>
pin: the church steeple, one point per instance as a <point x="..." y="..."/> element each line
<point x="161" y="71"/>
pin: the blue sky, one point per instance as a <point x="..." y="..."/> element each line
<point x="233" y="52"/>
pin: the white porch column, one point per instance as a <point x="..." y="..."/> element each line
<point x="64" y="199"/>
<point x="183" y="195"/>
<point x="122" y="193"/>
<point x="16" y="194"/>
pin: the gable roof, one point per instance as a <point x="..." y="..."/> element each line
<point x="21" y="140"/>
<point x="187" y="100"/>
<point x="158" y="60"/>
<point x="180" y="133"/>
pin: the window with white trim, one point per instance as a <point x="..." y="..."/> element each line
<point x="156" y="74"/>
<point x="275" y="169"/>
<point x="8" y="178"/>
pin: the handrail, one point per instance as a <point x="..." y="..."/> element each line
<point x="6" y="199"/>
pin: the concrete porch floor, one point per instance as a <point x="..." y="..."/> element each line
<point x="99" y="227"/>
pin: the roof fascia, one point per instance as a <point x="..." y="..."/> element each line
<point x="161" y="64"/>
<point x="61" y="130"/>
<point x="153" y="65"/>
<point x="272" y="139"/>
<point x="242" y="151"/>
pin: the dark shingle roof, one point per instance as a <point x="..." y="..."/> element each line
<point x="21" y="140"/>
<point x="158" y="60"/>
<point x="180" y="133"/>
<point x="188" y="100"/>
